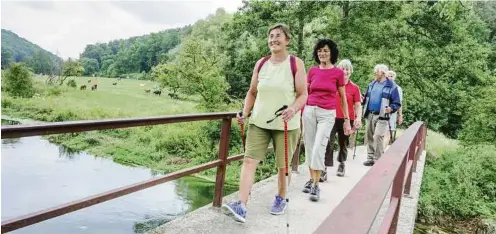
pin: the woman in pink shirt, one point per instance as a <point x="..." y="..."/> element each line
<point x="325" y="82"/>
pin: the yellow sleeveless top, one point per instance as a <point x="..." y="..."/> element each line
<point x="275" y="89"/>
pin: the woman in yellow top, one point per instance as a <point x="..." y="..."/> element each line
<point x="277" y="80"/>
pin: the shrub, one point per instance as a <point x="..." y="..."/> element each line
<point x="460" y="184"/>
<point x="18" y="81"/>
<point x="72" y="83"/>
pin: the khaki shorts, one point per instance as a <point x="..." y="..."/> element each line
<point x="258" y="139"/>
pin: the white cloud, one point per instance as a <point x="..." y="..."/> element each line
<point x="68" y="26"/>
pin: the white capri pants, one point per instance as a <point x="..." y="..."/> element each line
<point x="317" y="126"/>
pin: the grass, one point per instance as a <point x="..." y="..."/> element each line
<point x="126" y="99"/>
<point x="163" y="148"/>
<point x="459" y="185"/>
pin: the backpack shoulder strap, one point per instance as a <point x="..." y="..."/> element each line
<point x="262" y="63"/>
<point x="292" y="61"/>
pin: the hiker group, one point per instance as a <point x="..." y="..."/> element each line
<point x="285" y="104"/>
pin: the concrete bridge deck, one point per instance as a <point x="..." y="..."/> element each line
<point x="304" y="215"/>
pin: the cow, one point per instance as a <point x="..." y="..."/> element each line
<point x="82" y="87"/>
<point x="174" y="95"/>
<point x="94" y="87"/>
<point x="157" y="92"/>
<point x="114" y="83"/>
<point x="147" y="90"/>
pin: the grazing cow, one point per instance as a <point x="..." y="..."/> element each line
<point x="82" y="87"/>
<point x="94" y="87"/>
<point x="157" y="92"/>
<point x="141" y="85"/>
<point x="147" y="90"/>
<point x="89" y="81"/>
<point x="114" y="83"/>
<point x="174" y="95"/>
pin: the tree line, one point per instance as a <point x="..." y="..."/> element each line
<point x="444" y="54"/>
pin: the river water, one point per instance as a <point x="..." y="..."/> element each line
<point x="37" y="174"/>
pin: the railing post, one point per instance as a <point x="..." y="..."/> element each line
<point x="397" y="192"/>
<point x="424" y="135"/>
<point x="411" y="156"/>
<point x="221" y="169"/>
<point x="416" y="150"/>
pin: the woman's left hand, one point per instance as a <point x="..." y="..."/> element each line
<point x="288" y="114"/>
<point x="347" y="127"/>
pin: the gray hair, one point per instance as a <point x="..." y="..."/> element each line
<point x="392" y="73"/>
<point x="346" y="63"/>
<point x="381" y="67"/>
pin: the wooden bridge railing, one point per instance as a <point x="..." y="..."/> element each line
<point x="221" y="162"/>
<point x="357" y="211"/>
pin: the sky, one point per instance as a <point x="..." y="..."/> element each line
<point x="66" y="27"/>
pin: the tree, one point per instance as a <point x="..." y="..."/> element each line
<point x="18" y="81"/>
<point x="167" y="75"/>
<point x="72" y="68"/>
<point x="198" y="70"/>
<point x="7" y="58"/>
<point x="90" y="65"/>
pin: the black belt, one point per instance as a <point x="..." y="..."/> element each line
<point x="377" y="113"/>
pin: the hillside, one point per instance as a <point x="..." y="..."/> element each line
<point x="133" y="55"/>
<point x="18" y="49"/>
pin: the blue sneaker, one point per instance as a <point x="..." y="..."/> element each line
<point x="235" y="210"/>
<point x="279" y="206"/>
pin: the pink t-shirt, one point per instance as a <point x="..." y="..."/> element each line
<point x="323" y="87"/>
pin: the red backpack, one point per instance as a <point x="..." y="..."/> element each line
<point x="292" y="61"/>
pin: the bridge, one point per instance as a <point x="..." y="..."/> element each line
<point x="377" y="199"/>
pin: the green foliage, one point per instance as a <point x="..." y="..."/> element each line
<point x="460" y="184"/>
<point x="18" y="49"/>
<point x="72" y="68"/>
<point x="133" y="55"/>
<point x="480" y="124"/>
<point x="72" y="83"/>
<point x="167" y="75"/>
<point x="449" y="43"/>
<point x="18" y="81"/>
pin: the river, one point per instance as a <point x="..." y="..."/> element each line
<point x="37" y="174"/>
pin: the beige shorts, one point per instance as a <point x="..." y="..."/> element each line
<point x="258" y="139"/>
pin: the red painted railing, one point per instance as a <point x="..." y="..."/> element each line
<point x="358" y="210"/>
<point x="221" y="162"/>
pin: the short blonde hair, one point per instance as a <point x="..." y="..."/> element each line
<point x="284" y="28"/>
<point x="381" y="67"/>
<point x="346" y="63"/>
<point x="392" y="73"/>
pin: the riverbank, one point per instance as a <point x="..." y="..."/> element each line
<point x="164" y="148"/>
<point x="32" y="169"/>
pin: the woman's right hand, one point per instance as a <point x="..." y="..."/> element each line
<point x="240" y="117"/>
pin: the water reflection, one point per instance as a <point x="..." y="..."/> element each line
<point x="36" y="175"/>
<point x="68" y="153"/>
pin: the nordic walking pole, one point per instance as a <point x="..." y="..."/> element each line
<point x="286" y="162"/>
<point x="356" y="138"/>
